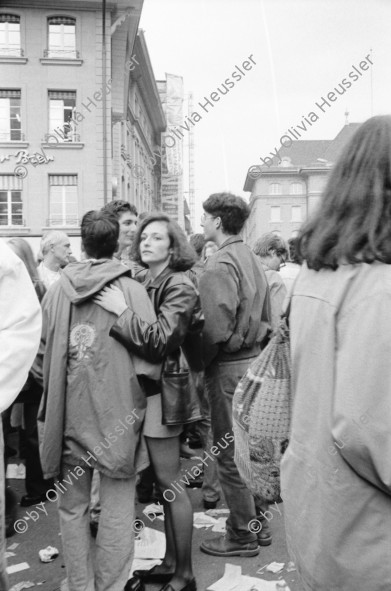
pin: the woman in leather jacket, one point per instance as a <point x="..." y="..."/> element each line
<point x="161" y="246"/>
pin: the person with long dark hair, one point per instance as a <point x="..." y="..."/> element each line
<point x="161" y="246"/>
<point x="336" y="471"/>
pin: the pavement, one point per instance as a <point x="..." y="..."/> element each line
<point x="43" y="530"/>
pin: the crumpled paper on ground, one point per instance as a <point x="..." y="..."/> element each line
<point x="202" y="520"/>
<point x="156" y="510"/>
<point x="151" y="544"/>
<point x="217" y="512"/>
<point x="16" y="471"/>
<point x="233" y="580"/>
<point x="22" y="585"/>
<point x="275" y="567"/>
<point x="15" y="568"/>
<point x="221" y="525"/>
<point x="48" y="554"/>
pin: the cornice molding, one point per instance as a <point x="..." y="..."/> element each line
<point x="89" y="5"/>
<point x="144" y="77"/>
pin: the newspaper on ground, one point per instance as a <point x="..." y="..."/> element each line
<point x="233" y="580"/>
<point x="150" y="545"/>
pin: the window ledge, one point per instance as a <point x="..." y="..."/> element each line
<point x="9" y="59"/>
<point x="56" y="61"/>
<point x="14" y="230"/>
<point x="14" y="144"/>
<point x="70" y="230"/>
<point x="71" y="145"/>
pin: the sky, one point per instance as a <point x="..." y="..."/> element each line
<point x="302" y="50"/>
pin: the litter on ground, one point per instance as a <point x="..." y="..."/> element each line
<point x="15" y="568"/>
<point x="48" y="554"/>
<point x="22" y="585"/>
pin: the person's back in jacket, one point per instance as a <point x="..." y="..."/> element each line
<point x="235" y="300"/>
<point x="336" y="471"/>
<point x="92" y="409"/>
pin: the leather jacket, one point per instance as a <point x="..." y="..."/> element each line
<point x="179" y="321"/>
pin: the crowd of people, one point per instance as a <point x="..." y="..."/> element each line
<point x="100" y="351"/>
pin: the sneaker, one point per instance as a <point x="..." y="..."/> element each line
<point x="223" y="546"/>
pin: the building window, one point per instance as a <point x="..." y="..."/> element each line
<point x="62" y="105"/>
<point x="10" y="35"/>
<point x="275" y="213"/>
<point x="61" y="37"/>
<point x="296" y="189"/>
<point x="275" y="189"/>
<point x="10" y="122"/>
<point x="63" y="201"/>
<point x="11" y="206"/>
<point x="296" y="213"/>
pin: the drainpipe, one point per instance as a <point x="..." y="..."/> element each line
<point x="104" y="102"/>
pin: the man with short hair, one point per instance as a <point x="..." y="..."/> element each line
<point x="235" y="300"/>
<point x="92" y="409"/>
<point x="56" y="250"/>
<point x="273" y="252"/>
<point x="126" y="214"/>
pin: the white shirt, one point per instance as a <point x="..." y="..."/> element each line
<point x="47" y="276"/>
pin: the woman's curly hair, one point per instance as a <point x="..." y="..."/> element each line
<point x="183" y="255"/>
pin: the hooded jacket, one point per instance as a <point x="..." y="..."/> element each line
<point x="93" y="406"/>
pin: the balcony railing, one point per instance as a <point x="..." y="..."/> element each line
<point x="61" y="138"/>
<point x="12" y="136"/>
<point x="68" y="220"/>
<point x="61" y="53"/>
<point x="5" y="50"/>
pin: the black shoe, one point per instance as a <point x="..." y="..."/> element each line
<point x="27" y="501"/>
<point x="223" y="546"/>
<point x="265" y="535"/>
<point x="94" y="526"/>
<point x="190" y="586"/>
<point x="134" y="584"/>
<point x="210" y="504"/>
<point x="195" y="443"/>
<point x="148" y="576"/>
<point x="10" y="520"/>
<point x="196" y="482"/>
<point x="11" y="511"/>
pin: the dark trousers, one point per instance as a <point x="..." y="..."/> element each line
<point x="221" y="381"/>
<point x="35" y="483"/>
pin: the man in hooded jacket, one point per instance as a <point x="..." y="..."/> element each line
<point x="92" y="409"/>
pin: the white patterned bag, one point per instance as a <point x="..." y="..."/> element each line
<point x="261" y="417"/>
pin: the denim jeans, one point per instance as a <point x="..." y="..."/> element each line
<point x="221" y="381"/>
<point x="109" y="569"/>
<point x="211" y="489"/>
